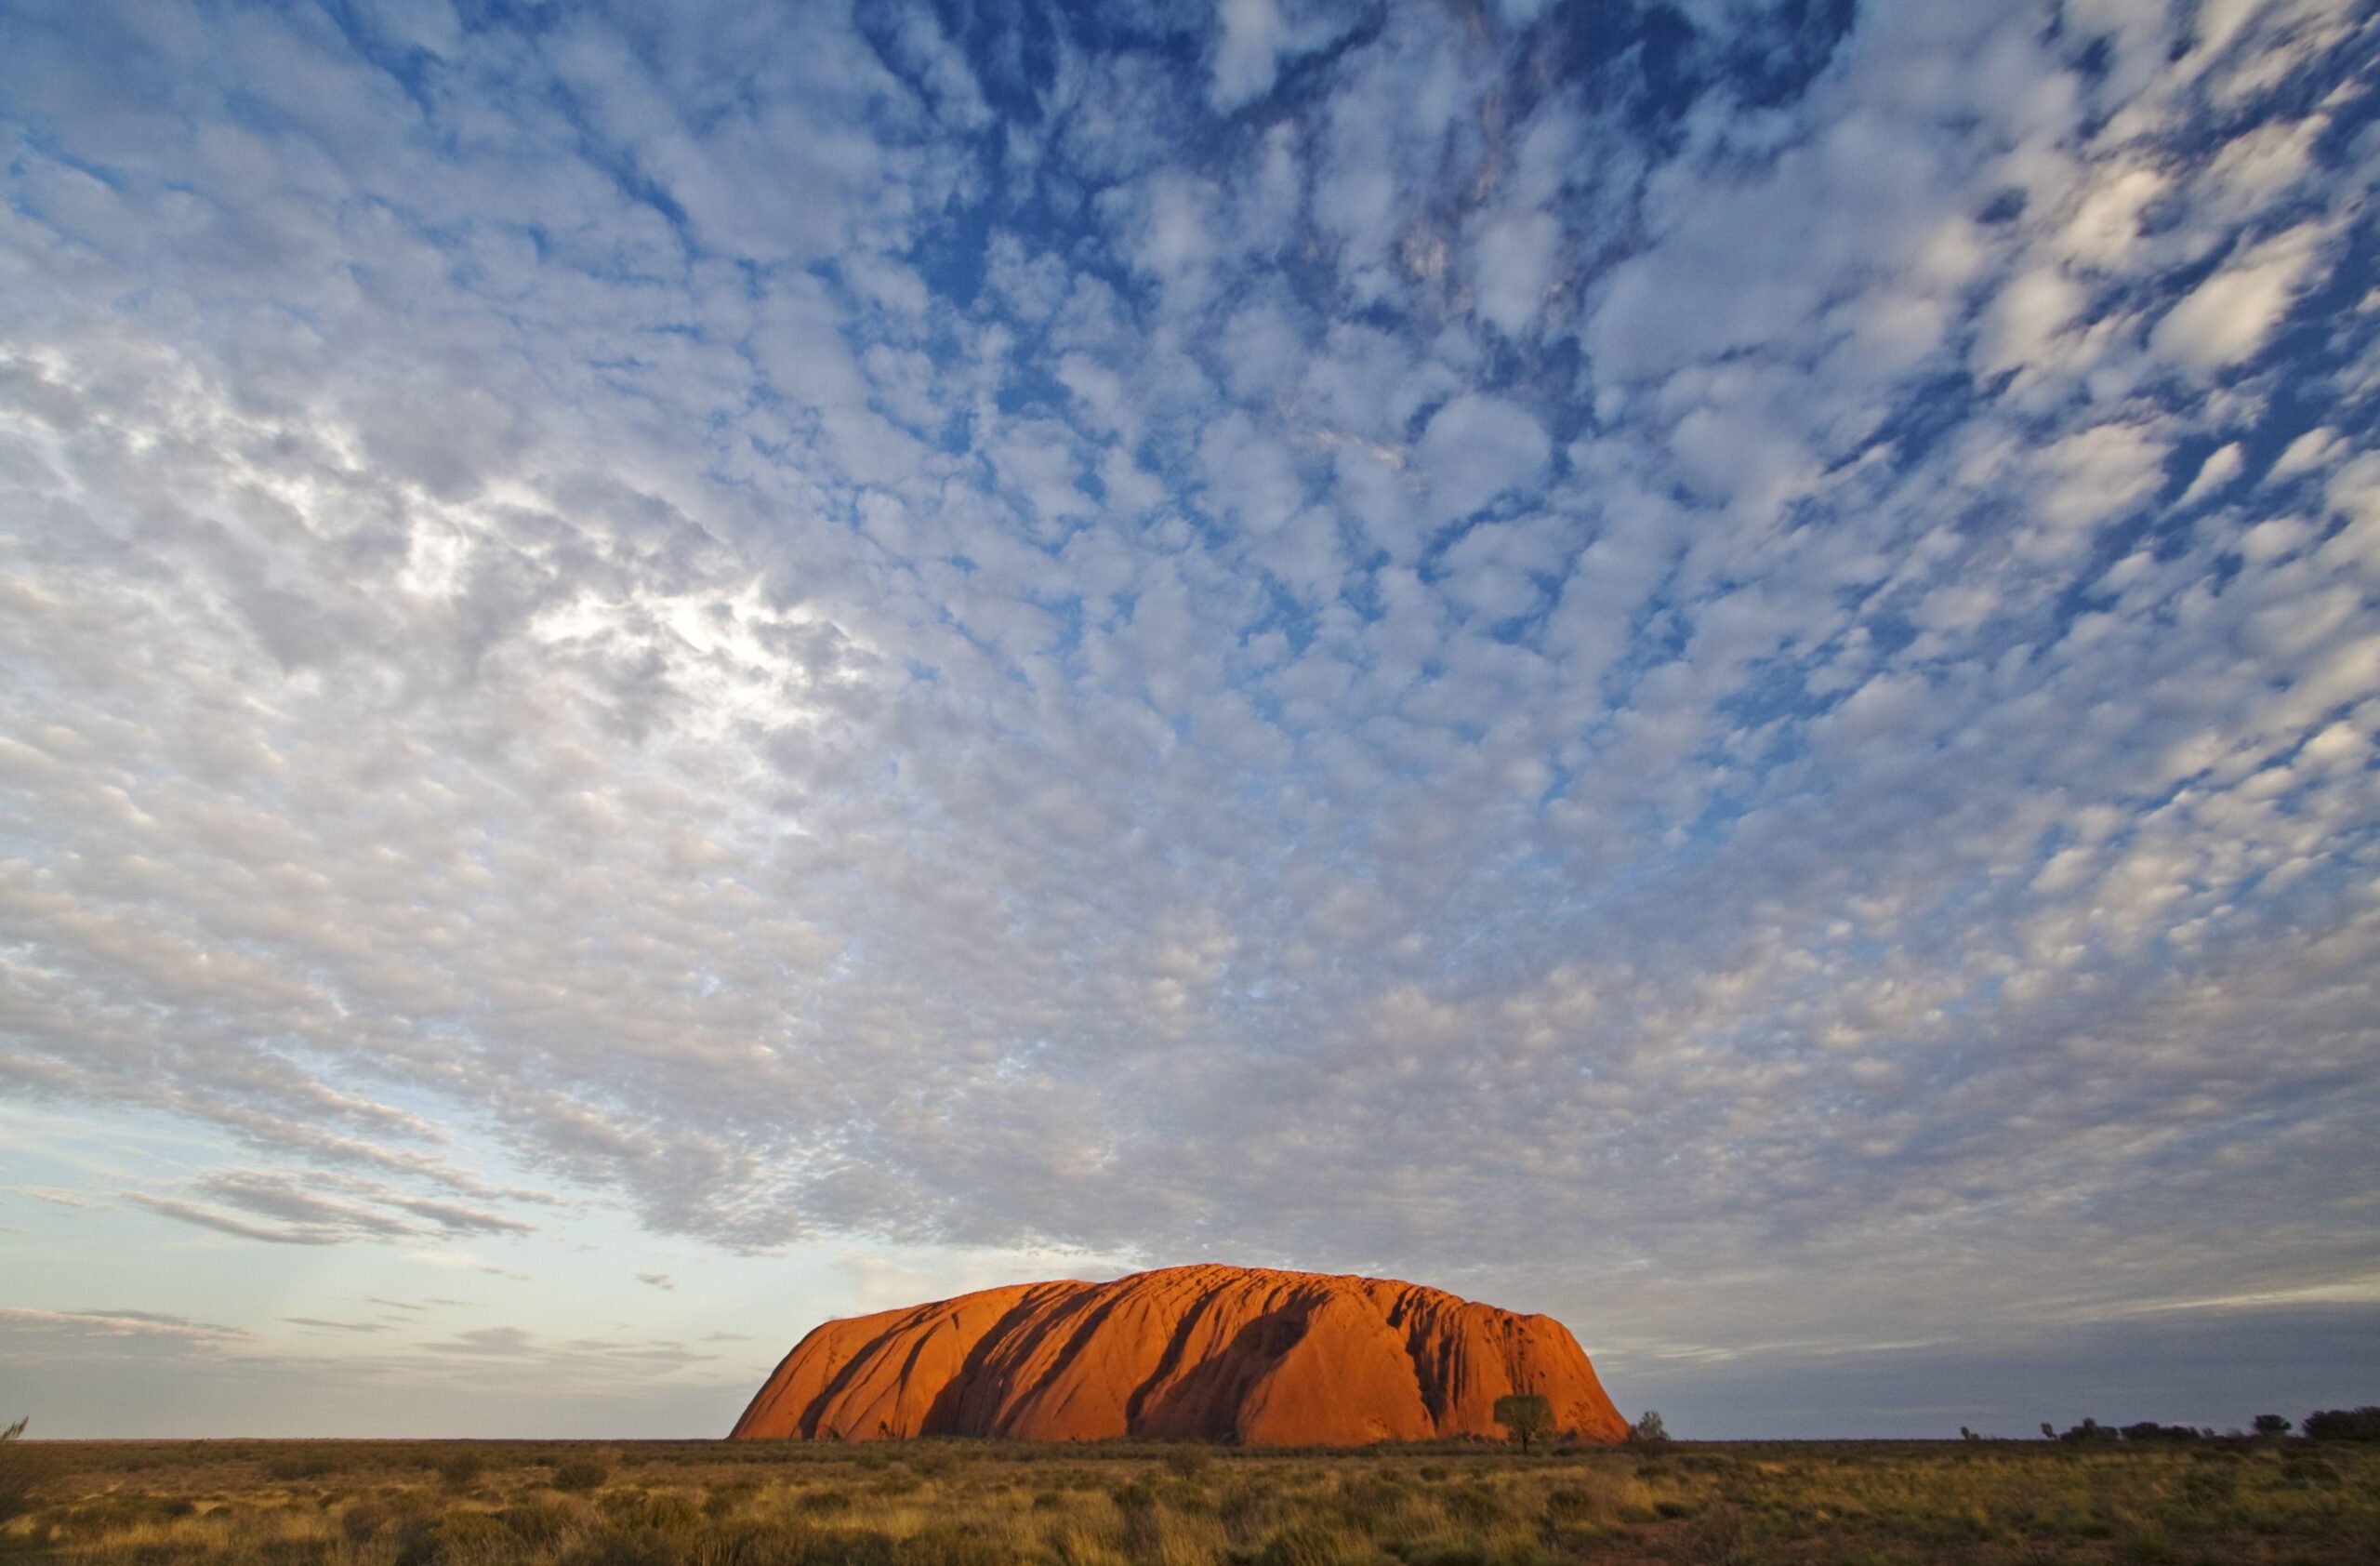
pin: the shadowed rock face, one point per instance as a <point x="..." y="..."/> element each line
<point x="1214" y="1353"/>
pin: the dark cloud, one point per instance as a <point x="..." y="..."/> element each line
<point x="31" y="1333"/>
<point x="225" y="1223"/>
<point x="323" y="1324"/>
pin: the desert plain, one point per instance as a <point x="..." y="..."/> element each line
<point x="964" y="1502"/>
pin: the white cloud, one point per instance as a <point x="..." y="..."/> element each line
<point x="1476" y="448"/>
<point x="2221" y="467"/>
<point x="1411" y="663"/>
<point x="2310" y="452"/>
<point x="2231" y="315"/>
<point x="1247" y="55"/>
<point x="2027" y="318"/>
<point x="1515" y="262"/>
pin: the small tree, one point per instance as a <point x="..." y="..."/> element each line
<point x="1650" y="1430"/>
<point x="1525" y="1416"/>
<point x="2049" y="1432"/>
<point x="2271" y="1424"/>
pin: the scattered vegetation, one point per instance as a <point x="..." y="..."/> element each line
<point x="2110" y="1498"/>
<point x="2342" y="1425"/>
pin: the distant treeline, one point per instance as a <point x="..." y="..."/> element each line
<point x="2323" y="1425"/>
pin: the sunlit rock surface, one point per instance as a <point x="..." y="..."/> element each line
<point x="1215" y="1353"/>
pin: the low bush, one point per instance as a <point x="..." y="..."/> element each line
<point x="1601" y="1500"/>
<point x="624" y="1546"/>
<point x="2210" y="1486"/>
<point x="2342" y="1425"/>
<point x="1309" y="1543"/>
<point x="581" y="1473"/>
<point x="1189" y="1460"/>
<point x="2307" y="1471"/>
<point x="303" y="1465"/>
<point x="538" y="1521"/>
<point x="363" y="1522"/>
<point x="659" y="1510"/>
<point x="451" y="1539"/>
<point x="460" y="1470"/>
<point x="1476" y="1506"/>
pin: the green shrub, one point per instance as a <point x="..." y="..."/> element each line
<point x="363" y="1522"/>
<point x="1572" y="1505"/>
<point x="625" y="1546"/>
<point x="1308" y="1543"/>
<point x="581" y="1473"/>
<point x="935" y="1546"/>
<point x="1189" y="1460"/>
<point x="1649" y="1431"/>
<point x="2150" y="1547"/>
<point x="2303" y="1471"/>
<point x="2343" y="1425"/>
<point x="459" y="1471"/>
<point x="1242" y="1499"/>
<point x="2212" y="1485"/>
<point x="660" y="1510"/>
<point x="455" y="1537"/>
<point x="1475" y="1505"/>
<point x="538" y="1521"/>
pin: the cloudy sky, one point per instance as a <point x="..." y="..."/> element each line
<point x="669" y="670"/>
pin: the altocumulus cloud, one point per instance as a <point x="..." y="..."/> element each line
<point x="1717" y="663"/>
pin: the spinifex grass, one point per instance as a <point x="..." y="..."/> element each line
<point x="961" y="1504"/>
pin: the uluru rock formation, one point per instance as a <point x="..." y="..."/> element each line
<point x="1214" y="1353"/>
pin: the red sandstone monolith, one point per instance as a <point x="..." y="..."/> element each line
<point x="1209" y="1353"/>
